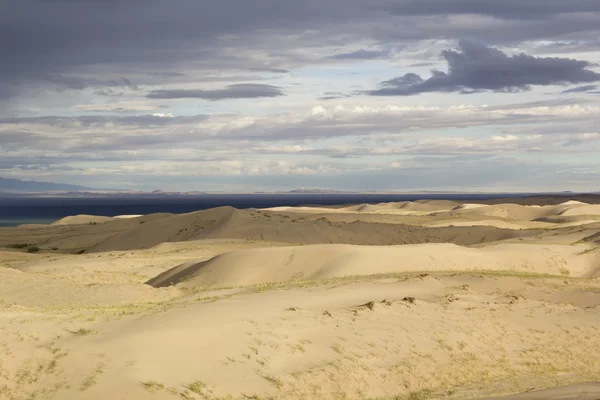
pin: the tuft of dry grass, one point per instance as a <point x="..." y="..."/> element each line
<point x="83" y="332"/>
<point x="424" y="394"/>
<point x="92" y="379"/>
<point x="278" y="383"/>
<point x="153" y="386"/>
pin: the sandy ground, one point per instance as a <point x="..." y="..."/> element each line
<point x="423" y="300"/>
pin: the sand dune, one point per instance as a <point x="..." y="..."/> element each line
<point x="573" y="203"/>
<point x="435" y="336"/>
<point x="501" y="224"/>
<point x="439" y="208"/>
<point x="71" y="237"/>
<point x="582" y="210"/>
<point x="468" y="206"/>
<point x="430" y="205"/>
<point x="530" y="213"/>
<point x="81" y="219"/>
<point x="387" y="224"/>
<point x="410" y="300"/>
<point x="513" y="211"/>
<point x="90" y="219"/>
<point x="259" y="225"/>
<point x="541" y="223"/>
<point x="566" y="219"/>
<point x="400" y="208"/>
<point x="39" y="290"/>
<point x="251" y="267"/>
<point x="404" y="207"/>
<point x="545" y="200"/>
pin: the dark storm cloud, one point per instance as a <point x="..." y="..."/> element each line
<point x="582" y="89"/>
<point x="76" y="82"/>
<point x="421" y="64"/>
<point x="571" y="46"/>
<point x="42" y="39"/>
<point x="167" y="75"/>
<point x="7" y="91"/>
<point x="17" y="138"/>
<point x="334" y="95"/>
<point x="239" y="91"/>
<point x="50" y="40"/>
<point x="476" y="67"/>
<point x="362" y="54"/>
<point x="504" y="9"/>
<point x="271" y="70"/>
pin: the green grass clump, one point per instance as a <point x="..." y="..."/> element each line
<point x="33" y="249"/>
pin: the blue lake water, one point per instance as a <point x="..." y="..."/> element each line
<point x="28" y="210"/>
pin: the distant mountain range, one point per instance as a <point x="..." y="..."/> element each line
<point x="19" y="186"/>
<point x="16" y="187"/>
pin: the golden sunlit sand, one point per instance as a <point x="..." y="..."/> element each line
<point x="413" y="300"/>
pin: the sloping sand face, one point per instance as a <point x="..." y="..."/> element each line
<point x="364" y="302"/>
<point x="90" y="219"/>
<point x="268" y="265"/>
<point x="81" y="219"/>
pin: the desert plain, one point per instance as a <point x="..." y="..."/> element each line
<point x="413" y="300"/>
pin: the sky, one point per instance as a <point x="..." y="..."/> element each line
<point x="268" y="95"/>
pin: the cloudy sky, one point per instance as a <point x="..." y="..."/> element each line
<point x="238" y="95"/>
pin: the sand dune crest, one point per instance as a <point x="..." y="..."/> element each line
<point x="250" y="267"/>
